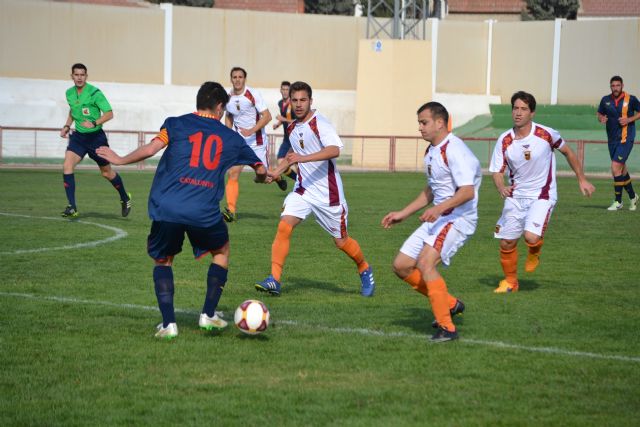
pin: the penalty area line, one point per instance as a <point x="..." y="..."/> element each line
<point x="352" y="331"/>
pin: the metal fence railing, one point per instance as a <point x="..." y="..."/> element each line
<point x="43" y="147"/>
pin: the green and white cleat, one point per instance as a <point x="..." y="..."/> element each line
<point x="633" y="203"/>
<point x="210" y="323"/>
<point x="615" y="206"/>
<point x="168" y="333"/>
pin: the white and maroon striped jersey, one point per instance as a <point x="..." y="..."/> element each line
<point x="530" y="161"/>
<point x="449" y="166"/>
<point x="318" y="182"/>
<point x="245" y="110"/>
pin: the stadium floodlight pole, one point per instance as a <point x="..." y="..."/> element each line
<point x="407" y="17"/>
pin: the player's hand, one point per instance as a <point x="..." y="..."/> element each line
<point x="391" y="218"/>
<point x="271" y="177"/>
<point x="506" y="191"/>
<point x="624" y="121"/>
<point x="431" y="214"/>
<point x="245" y="132"/>
<point x="109" y="155"/>
<point x="294" y="158"/>
<point x="87" y="124"/>
<point x="602" y="118"/>
<point x="587" y="188"/>
<point x="65" y="131"/>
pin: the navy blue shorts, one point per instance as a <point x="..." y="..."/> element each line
<point x="620" y="152"/>
<point x="284" y="147"/>
<point x="166" y="238"/>
<point x="86" y="143"/>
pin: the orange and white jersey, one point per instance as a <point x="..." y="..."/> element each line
<point x="449" y="166"/>
<point x="318" y="182"/>
<point x="531" y="162"/>
<point x="245" y="110"/>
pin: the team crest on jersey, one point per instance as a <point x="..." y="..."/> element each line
<point x="301" y="140"/>
<point x="238" y="104"/>
<point x="85" y="111"/>
<point x="527" y="155"/>
<point x="497" y="228"/>
<point x="429" y="170"/>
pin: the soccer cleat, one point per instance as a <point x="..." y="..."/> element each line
<point x="70" y="212"/>
<point x="532" y="262"/>
<point x="457" y="310"/>
<point x="269" y="285"/>
<point x="615" y="206"/>
<point x="168" y="333"/>
<point x="210" y="323"/>
<point x="367" y="283"/>
<point x="443" y="335"/>
<point x="633" y="203"/>
<point x="126" y="205"/>
<point x="282" y="183"/>
<point x="229" y="216"/>
<point x="505" y="287"/>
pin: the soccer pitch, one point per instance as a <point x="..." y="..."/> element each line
<point x="79" y="311"/>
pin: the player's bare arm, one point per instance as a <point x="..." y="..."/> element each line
<point x="102" y="120"/>
<point x="503" y="190"/>
<point x="330" y="152"/>
<point x="424" y="198"/>
<point x="228" y="120"/>
<point x="586" y="187"/>
<point x="64" y="132"/>
<point x="462" y="195"/>
<point x="136" y="155"/>
<point x="265" y="118"/>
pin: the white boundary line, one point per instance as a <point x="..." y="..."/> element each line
<point x="353" y="331"/>
<point x="119" y="234"/>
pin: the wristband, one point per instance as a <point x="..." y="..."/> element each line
<point x="93" y="122"/>
<point x="66" y="126"/>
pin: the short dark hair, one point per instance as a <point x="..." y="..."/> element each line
<point x="244" y="72"/>
<point x="616" y="79"/>
<point x="298" y="86"/>
<point x="525" y="97"/>
<point x="210" y="95"/>
<point x="78" y="66"/>
<point x="285" y="83"/>
<point x="437" y="111"/>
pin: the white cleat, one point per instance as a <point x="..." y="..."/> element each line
<point x="633" y="203"/>
<point x="615" y="206"/>
<point x="210" y="323"/>
<point x="168" y="333"/>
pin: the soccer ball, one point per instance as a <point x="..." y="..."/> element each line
<point x="252" y="317"/>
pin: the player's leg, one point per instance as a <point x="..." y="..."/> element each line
<point x="232" y="191"/>
<point x="509" y="228"/>
<point x="71" y="159"/>
<point x="405" y="266"/>
<point x="437" y="292"/>
<point x="535" y="226"/>
<point x="99" y="139"/>
<point x="634" y="198"/>
<point x="213" y="240"/>
<point x="163" y="243"/>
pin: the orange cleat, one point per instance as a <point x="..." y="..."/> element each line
<point x="505" y="287"/>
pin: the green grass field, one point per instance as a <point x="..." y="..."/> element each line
<point x="77" y="322"/>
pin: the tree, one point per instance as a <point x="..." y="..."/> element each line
<point x="329" y="7"/>
<point x="544" y="10"/>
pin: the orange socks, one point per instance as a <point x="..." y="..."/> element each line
<point x="535" y="248"/>
<point x="417" y="282"/>
<point x="509" y="261"/>
<point x="280" y="249"/>
<point x="533" y="257"/>
<point x="352" y="248"/>
<point x="232" y="190"/>
<point x="438" y="296"/>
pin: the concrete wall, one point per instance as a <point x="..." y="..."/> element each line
<point x="42" y="40"/>
<point x="593" y="52"/>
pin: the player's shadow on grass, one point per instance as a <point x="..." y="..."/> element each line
<point x="99" y="215"/>
<point x="419" y="319"/>
<point x="523" y="285"/>
<point x="295" y="284"/>
<point x="251" y="215"/>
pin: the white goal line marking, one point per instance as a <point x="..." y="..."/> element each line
<point x="119" y="234"/>
<point x="354" y="331"/>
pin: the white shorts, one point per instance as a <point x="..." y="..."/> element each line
<point x="440" y="235"/>
<point x="520" y="215"/>
<point x="261" y="152"/>
<point x="333" y="219"/>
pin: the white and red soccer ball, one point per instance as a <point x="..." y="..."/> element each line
<point x="252" y="317"/>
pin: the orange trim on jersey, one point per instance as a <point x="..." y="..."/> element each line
<point x="208" y="116"/>
<point x="443" y="153"/>
<point x="441" y="236"/>
<point x="543" y="134"/>
<point x="163" y="136"/>
<point x="506" y="142"/>
<point x="625" y="114"/>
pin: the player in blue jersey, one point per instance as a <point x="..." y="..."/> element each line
<point x="185" y="198"/>
<point x="284" y="118"/>
<point x="619" y="111"/>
